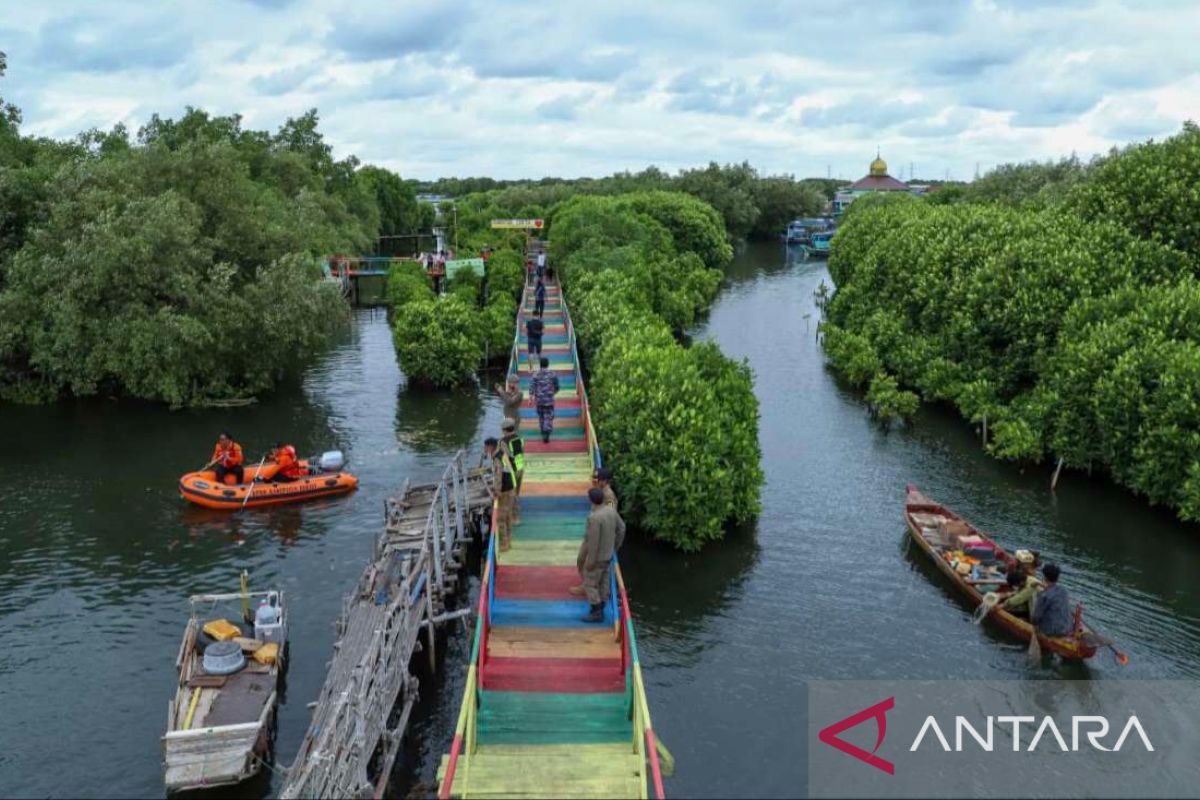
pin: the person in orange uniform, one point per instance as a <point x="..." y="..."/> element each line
<point x="289" y="466"/>
<point x="227" y="459"/>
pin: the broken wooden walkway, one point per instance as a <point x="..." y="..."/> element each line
<point x="363" y="709"/>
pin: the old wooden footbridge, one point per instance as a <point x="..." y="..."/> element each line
<point x="360" y="716"/>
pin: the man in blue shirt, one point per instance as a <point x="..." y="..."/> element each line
<point x="1052" y="609"/>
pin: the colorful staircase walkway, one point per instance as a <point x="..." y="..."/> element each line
<point x="554" y="706"/>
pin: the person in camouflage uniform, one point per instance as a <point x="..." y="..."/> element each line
<point x="543" y="387"/>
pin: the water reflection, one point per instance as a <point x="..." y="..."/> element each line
<point x="429" y="420"/>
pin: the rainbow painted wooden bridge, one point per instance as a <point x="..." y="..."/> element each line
<point x="554" y="707"/>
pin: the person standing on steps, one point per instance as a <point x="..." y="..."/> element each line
<point x="595" y="555"/>
<point x="541" y="265"/>
<point x="539" y="299"/>
<point x="601" y="479"/>
<point x="505" y="481"/>
<point x="543" y="386"/>
<point x="534" y="327"/>
<point x="512" y="397"/>
<point x="515" y="445"/>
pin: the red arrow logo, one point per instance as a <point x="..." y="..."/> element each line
<point x="877" y="712"/>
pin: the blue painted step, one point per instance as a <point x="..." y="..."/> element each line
<point x="544" y="613"/>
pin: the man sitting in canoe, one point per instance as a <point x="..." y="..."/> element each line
<point x="289" y="466"/>
<point x="1052" y="611"/>
<point x="227" y="459"/>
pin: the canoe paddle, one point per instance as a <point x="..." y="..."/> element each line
<point x="1094" y="639"/>
<point x="1034" y="654"/>
<point x="253" y="483"/>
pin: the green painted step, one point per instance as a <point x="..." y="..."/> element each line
<point x="542" y="529"/>
<point x="607" y="770"/>
<point x="552" y="718"/>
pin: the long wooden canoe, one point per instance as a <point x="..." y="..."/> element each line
<point x="923" y="517"/>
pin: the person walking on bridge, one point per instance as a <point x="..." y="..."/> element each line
<point x="539" y="298"/>
<point x="543" y="386"/>
<point x="596" y="553"/>
<point x="534" y="328"/>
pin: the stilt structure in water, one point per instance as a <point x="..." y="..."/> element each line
<point x="554" y="706"/>
<point x="357" y="724"/>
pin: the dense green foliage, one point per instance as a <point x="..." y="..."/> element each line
<point x="476" y="324"/>
<point x="399" y="211"/>
<point x="748" y="203"/>
<point x="679" y="424"/>
<point x="1073" y="328"/>
<point x="179" y="265"/>
<point x="407" y="281"/>
<point x="439" y="340"/>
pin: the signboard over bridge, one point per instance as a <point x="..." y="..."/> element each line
<point x="519" y="224"/>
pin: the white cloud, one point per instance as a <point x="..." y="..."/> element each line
<point x="526" y="89"/>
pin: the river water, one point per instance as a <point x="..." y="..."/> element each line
<point x="98" y="555"/>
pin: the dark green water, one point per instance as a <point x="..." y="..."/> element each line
<point x="97" y="556"/>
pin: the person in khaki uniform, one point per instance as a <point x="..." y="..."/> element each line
<point x="504" y="476"/>
<point x="512" y="397"/>
<point x="600" y="479"/>
<point x="595" y="554"/>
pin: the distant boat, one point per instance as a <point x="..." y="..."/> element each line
<point x="800" y="231"/>
<point x="818" y="244"/>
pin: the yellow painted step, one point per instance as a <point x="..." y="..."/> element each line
<point x="538" y="553"/>
<point x="502" y="771"/>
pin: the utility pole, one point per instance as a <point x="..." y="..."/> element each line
<point x="911" y="171"/>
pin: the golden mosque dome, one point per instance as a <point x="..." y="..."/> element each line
<point x="878" y="167"/>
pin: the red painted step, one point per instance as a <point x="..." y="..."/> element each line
<point x="533" y="445"/>
<point x="536" y="583"/>
<point x="580" y="675"/>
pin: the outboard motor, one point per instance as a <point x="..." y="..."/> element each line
<point x="332" y="461"/>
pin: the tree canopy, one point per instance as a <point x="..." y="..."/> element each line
<point x="181" y="265"/>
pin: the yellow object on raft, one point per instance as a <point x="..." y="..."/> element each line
<point x="267" y="653"/>
<point x="221" y="630"/>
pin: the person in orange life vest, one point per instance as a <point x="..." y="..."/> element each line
<point x="227" y="459"/>
<point x="289" y="466"/>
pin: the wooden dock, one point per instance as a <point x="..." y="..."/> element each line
<point x="554" y="707"/>
<point x="364" y="705"/>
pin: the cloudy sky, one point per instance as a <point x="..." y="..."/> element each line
<point x="523" y="89"/>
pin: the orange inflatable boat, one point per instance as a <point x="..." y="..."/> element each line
<point x="324" y="478"/>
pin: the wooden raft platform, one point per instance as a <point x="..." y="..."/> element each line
<point x="554" y="706"/>
<point x="363" y="709"/>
